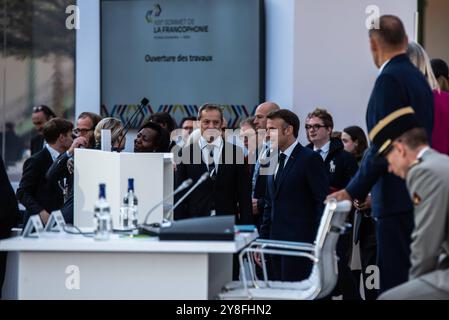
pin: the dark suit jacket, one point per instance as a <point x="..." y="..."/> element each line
<point x="294" y="206"/>
<point x="35" y="192"/>
<point x="340" y="165"/>
<point x="399" y="85"/>
<point x="37" y="143"/>
<point x="259" y="189"/>
<point x="57" y="172"/>
<point x="230" y="192"/>
<point x="9" y="210"/>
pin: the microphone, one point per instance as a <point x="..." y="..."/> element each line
<point x="127" y="125"/>
<point x="203" y="178"/>
<point x="154" y="229"/>
<point x="183" y="186"/>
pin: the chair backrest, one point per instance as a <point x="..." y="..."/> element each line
<point x="331" y="226"/>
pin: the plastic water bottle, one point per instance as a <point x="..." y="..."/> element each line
<point x="129" y="210"/>
<point x="102" y="216"/>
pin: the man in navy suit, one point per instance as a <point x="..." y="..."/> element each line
<point x="398" y="85"/>
<point x="295" y="194"/>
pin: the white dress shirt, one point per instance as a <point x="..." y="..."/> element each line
<point x="288" y="153"/>
<point x="421" y="153"/>
<point x="54" y="154"/>
<point x="383" y="66"/>
<point x="324" y="150"/>
<point x="218" y="146"/>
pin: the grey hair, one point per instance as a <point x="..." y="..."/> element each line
<point x="420" y="59"/>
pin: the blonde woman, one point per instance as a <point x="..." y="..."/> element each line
<point x="117" y="139"/>
<point x="440" y="133"/>
<point x="441" y="71"/>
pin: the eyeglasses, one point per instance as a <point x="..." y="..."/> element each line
<point x="315" y="127"/>
<point x="77" y="131"/>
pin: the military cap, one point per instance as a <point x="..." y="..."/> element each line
<point x="392" y="127"/>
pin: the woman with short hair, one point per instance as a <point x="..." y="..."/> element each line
<point x="118" y="140"/>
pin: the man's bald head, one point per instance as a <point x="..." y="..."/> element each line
<point x="389" y="40"/>
<point x="261" y="113"/>
<point x="391" y="33"/>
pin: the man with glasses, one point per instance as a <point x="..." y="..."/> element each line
<point x="61" y="171"/>
<point x="340" y="167"/>
<point x="40" y="116"/>
<point x="188" y="124"/>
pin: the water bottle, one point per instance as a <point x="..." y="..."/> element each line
<point x="102" y="216"/>
<point x="129" y="210"/>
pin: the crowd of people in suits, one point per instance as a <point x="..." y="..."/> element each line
<point x="264" y="176"/>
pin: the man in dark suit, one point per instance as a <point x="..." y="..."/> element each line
<point x="40" y="116"/>
<point x="228" y="191"/>
<point x="8" y="215"/>
<point x="398" y="85"/>
<point x="259" y="177"/>
<point x="60" y="171"/>
<point x="35" y="192"/>
<point x="294" y="196"/>
<point x="340" y="166"/>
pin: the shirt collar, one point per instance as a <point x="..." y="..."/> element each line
<point x="383" y="66"/>
<point x="421" y="153"/>
<point x="325" y="148"/>
<point x="290" y="149"/>
<point x="216" y="143"/>
<point x="53" y="153"/>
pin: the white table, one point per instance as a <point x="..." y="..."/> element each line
<point x="63" y="266"/>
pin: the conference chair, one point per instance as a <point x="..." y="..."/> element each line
<point x="322" y="253"/>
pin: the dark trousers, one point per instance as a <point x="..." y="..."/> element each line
<point x="346" y="282"/>
<point x="393" y="249"/>
<point x="368" y="252"/>
<point x="286" y="268"/>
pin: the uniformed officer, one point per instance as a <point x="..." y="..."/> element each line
<point x="403" y="142"/>
<point x="399" y="84"/>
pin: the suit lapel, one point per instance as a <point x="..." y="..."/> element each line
<point x="291" y="161"/>
<point x="221" y="163"/>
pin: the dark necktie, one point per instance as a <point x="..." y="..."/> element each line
<point x="211" y="162"/>
<point x="282" y="158"/>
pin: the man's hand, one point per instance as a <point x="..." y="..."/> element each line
<point x="255" y="208"/>
<point x="44" y="216"/>
<point x="362" y="206"/>
<point x="70" y="165"/>
<point x="80" y="142"/>
<point x="339" y="196"/>
<point x="258" y="258"/>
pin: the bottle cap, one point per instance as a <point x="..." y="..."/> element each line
<point x="130" y="184"/>
<point x="102" y="191"/>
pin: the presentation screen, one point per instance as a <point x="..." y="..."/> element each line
<point x="181" y="54"/>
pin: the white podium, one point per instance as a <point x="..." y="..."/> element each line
<point x="153" y="180"/>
